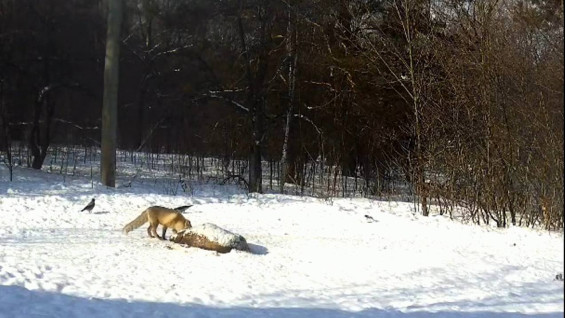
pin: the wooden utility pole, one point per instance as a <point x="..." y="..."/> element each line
<point x="110" y="99"/>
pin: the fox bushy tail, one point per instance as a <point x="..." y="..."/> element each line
<point x="137" y="222"/>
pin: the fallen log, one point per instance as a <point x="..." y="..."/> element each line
<point x="211" y="237"/>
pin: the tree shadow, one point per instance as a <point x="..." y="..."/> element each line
<point x="17" y="301"/>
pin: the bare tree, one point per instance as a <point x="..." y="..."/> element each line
<point x="497" y="149"/>
<point x="397" y="45"/>
<point x="291" y="62"/>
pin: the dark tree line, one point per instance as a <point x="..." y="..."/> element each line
<point x="463" y="100"/>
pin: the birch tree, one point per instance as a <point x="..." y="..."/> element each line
<point x="291" y="62"/>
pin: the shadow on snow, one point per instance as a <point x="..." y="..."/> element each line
<point x="17" y="301"/>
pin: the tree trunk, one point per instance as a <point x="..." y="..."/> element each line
<point x="284" y="155"/>
<point x="40" y="136"/>
<point x="291" y="60"/>
<point x="110" y="101"/>
<point x="415" y="92"/>
<point x="255" y="166"/>
<point x="255" y="98"/>
<point x="7" y="141"/>
<point x="255" y="175"/>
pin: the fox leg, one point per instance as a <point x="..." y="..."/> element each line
<point x="164" y="231"/>
<point x="154" y="231"/>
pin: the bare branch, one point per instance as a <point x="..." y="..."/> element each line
<point x="214" y="94"/>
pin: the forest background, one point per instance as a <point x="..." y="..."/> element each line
<point x="453" y="103"/>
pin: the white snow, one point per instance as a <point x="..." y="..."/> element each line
<point x="312" y="257"/>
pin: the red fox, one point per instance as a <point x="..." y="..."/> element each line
<point x="156" y="215"/>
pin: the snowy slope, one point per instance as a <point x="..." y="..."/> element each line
<point x="311" y="258"/>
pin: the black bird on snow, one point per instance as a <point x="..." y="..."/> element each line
<point x="89" y="206"/>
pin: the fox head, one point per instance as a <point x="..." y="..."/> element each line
<point x="187" y="224"/>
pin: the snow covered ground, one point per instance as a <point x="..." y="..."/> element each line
<point x="310" y="257"/>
